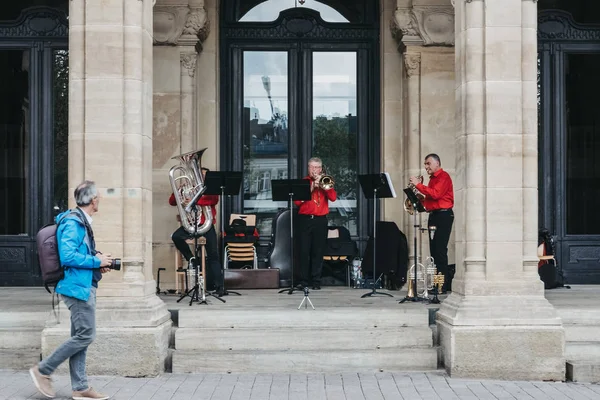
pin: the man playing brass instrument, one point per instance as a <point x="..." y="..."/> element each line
<point x="179" y="237"/>
<point x="438" y="201"/>
<point x="312" y="225"/>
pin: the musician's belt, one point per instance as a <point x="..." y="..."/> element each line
<point x="311" y="216"/>
<point x="440" y="210"/>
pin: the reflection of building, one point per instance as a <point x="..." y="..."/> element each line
<point x="141" y="93"/>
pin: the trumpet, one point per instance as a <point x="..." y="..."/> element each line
<point x="408" y="206"/>
<point x="326" y="181"/>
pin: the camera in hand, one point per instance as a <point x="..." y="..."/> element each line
<point x="116" y="264"/>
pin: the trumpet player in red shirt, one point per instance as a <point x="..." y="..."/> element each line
<point x="312" y="224"/>
<point x="438" y="201"/>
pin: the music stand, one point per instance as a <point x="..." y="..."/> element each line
<point x="419" y="208"/>
<point x="290" y="190"/>
<point x="222" y="183"/>
<point x="376" y="186"/>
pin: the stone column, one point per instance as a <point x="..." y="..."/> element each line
<point x="110" y="142"/>
<point x="497" y="306"/>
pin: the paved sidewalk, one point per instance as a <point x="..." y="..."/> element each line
<point x="380" y="386"/>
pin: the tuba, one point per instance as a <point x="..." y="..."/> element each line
<point x="408" y="206"/>
<point x="326" y="182"/>
<point x="186" y="182"/>
<point x="425" y="278"/>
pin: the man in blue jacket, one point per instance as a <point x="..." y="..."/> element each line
<point x="83" y="269"/>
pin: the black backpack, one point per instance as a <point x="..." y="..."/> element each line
<point x="47" y="249"/>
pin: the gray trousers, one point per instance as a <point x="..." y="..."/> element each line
<point x="83" y="332"/>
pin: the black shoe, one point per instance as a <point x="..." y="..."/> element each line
<point x="301" y="286"/>
<point x="316" y="287"/>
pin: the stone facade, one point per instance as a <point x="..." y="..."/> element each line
<point x="457" y="79"/>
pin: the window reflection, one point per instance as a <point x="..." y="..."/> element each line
<point x="268" y="11"/>
<point x="335" y="130"/>
<point x="265" y="132"/>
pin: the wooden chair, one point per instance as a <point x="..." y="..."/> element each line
<point x="244" y="250"/>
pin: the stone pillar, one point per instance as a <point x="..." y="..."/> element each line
<point x="497" y="306"/>
<point x="110" y="142"/>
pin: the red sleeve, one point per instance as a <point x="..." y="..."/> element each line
<point x="438" y="190"/>
<point x="172" y="200"/>
<point x="298" y="202"/>
<point x="208" y="200"/>
<point x="331" y="194"/>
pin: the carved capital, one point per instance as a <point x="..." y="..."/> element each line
<point x="197" y="24"/>
<point x="188" y="63"/>
<point x="427" y="25"/>
<point x="169" y="22"/>
<point x="412" y="62"/>
<point x="404" y="27"/>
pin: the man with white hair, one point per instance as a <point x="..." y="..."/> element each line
<point x="83" y="269"/>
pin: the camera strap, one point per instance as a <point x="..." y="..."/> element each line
<point x="88" y="228"/>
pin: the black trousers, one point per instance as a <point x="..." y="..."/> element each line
<point x="438" y="246"/>
<point x="312" y="239"/>
<point x="214" y="278"/>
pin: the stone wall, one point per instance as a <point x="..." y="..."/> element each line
<point x="185" y="108"/>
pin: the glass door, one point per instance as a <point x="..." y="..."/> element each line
<point x="570" y="157"/>
<point x="33" y="138"/>
<point x="317" y="118"/>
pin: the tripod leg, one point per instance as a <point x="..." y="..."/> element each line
<point x="310" y="302"/>
<point x="302" y="302"/>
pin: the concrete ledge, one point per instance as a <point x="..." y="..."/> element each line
<point x="131" y="352"/>
<point x="583" y="371"/>
<point x="305" y="361"/>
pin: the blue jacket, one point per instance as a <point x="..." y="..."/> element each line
<point x="76" y="257"/>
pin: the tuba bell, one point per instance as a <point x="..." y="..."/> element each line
<point x="425" y="278"/>
<point x="326" y="182"/>
<point x="408" y="206"/>
<point x="186" y="182"/>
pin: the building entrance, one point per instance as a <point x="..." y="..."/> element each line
<point x="33" y="134"/>
<point x="569" y="53"/>
<point x="298" y="82"/>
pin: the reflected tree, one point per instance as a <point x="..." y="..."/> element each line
<point x="61" y="128"/>
<point x="335" y="144"/>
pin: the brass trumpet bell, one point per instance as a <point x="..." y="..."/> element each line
<point x="326" y="182"/>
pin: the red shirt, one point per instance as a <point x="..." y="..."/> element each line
<point x="204" y="200"/>
<point x="319" y="202"/>
<point x="439" y="193"/>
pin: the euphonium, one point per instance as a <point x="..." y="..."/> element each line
<point x="186" y="182"/>
<point x="408" y="207"/>
<point x="425" y="278"/>
<point x="326" y="182"/>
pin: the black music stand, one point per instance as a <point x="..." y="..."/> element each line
<point x="222" y="183"/>
<point x="419" y="208"/>
<point x="290" y="190"/>
<point x="376" y="186"/>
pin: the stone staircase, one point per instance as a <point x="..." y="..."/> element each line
<point x="582" y="337"/>
<point x="328" y="339"/>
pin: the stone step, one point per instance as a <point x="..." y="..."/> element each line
<point x="582" y="333"/>
<point x="317" y="361"/>
<point x="347" y="318"/>
<point x="579" y="316"/>
<point x="239" y="339"/>
<point x="583" y="371"/>
<point x="582" y="350"/>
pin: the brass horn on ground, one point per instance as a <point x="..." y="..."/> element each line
<point x="425" y="278"/>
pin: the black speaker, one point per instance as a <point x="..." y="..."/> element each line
<point x="392" y="254"/>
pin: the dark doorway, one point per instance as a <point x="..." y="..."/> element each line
<point x="299" y="82"/>
<point x="570" y="142"/>
<point x="33" y="134"/>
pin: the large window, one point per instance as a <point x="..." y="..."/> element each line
<point x="298" y="88"/>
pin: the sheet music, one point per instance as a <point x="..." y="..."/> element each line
<point x="390" y="183"/>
